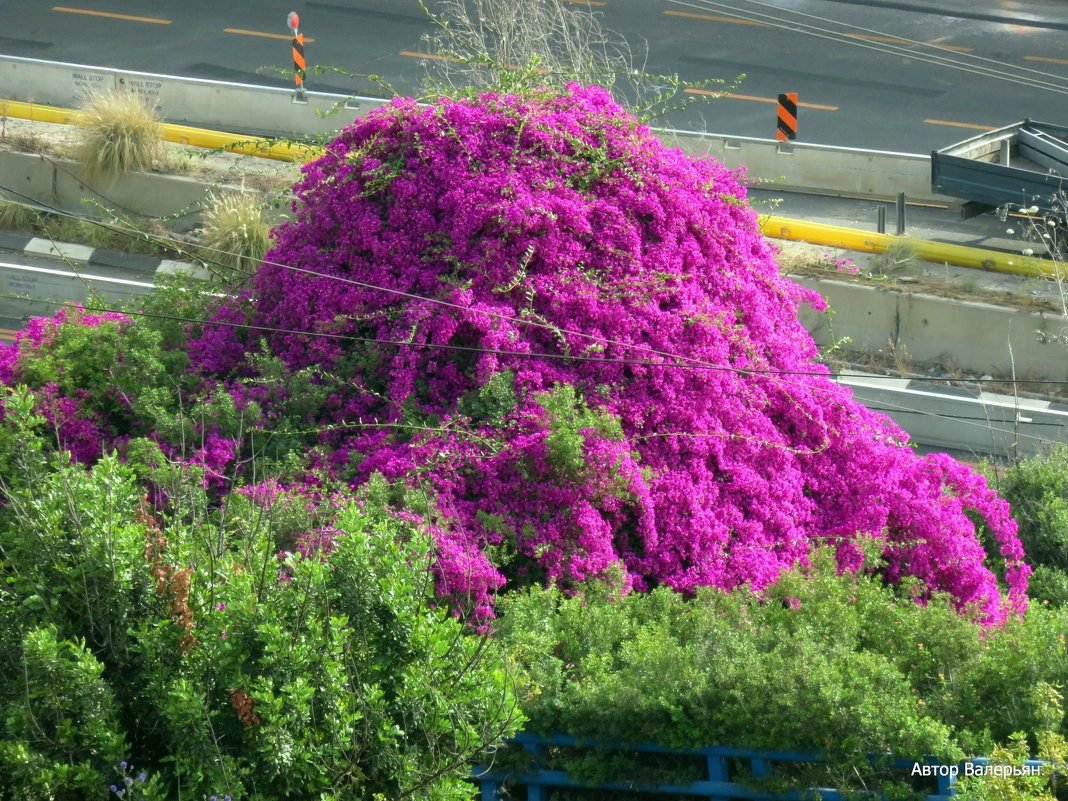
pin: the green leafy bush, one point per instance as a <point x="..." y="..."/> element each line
<point x="1006" y="777"/>
<point x="821" y="661"/>
<point x="1037" y="490"/>
<point x="217" y="649"/>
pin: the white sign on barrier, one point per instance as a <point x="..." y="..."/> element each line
<point x="87" y="84"/>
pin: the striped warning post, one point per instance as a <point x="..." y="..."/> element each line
<point x="787" y="117"/>
<point x="293" y="23"/>
<point x="298" y="60"/>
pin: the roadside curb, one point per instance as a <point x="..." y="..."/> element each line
<point x="103" y="257"/>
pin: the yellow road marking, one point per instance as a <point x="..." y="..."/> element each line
<point x="112" y="16"/>
<point x="688" y="15"/>
<point x="757" y="99"/>
<point x="1047" y="59"/>
<point x="410" y="54"/>
<point x="962" y="125"/>
<point x="264" y="35"/>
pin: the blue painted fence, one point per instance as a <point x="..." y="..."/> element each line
<point x="719" y="785"/>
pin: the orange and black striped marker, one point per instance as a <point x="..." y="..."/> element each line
<point x="787" y="117"/>
<point x="293" y="23"/>
<point x="298" y="60"/>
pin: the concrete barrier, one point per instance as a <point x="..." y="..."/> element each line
<point x="976" y="338"/>
<point x="192" y="101"/>
<point x="981" y="338"/>
<point x="815" y="168"/>
<point x="269" y="110"/>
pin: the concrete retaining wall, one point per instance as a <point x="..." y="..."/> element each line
<point x="62" y="184"/>
<point x="974" y="337"/>
<point x="57" y="183"/>
<point x="265" y="110"/>
<point x="950" y="417"/>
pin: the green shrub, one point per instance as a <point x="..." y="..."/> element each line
<point x="1037" y="490"/>
<point x="1007" y="785"/>
<point x="822" y="661"/>
<point x="184" y="643"/>
<point x="120" y="133"/>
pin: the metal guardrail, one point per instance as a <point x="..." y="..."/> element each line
<point x="721" y="764"/>
<point x="960" y="418"/>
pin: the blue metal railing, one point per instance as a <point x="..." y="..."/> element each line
<point x="719" y="786"/>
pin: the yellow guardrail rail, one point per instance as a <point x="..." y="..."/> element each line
<point x="938" y="252"/>
<point x="775" y="227"/>
<point x="181" y="134"/>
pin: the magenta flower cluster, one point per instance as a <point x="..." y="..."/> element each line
<point x="72" y="418"/>
<point x="576" y="342"/>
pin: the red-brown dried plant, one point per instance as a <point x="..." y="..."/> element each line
<point x="171" y="583"/>
<point x="244" y="704"/>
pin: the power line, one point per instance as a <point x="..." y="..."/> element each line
<point x="775" y="375"/>
<point x="691" y="362"/>
<point x="794" y="26"/>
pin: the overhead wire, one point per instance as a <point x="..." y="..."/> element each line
<point x="692" y="362"/>
<point x="777" y="375"/>
<point x="679" y="361"/>
<point x="1059" y="85"/>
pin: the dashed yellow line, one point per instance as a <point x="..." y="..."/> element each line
<point x="1047" y="59"/>
<point x="733" y="96"/>
<point x="264" y="35"/>
<point x="962" y="125"/>
<point x="110" y="15"/>
<point x="711" y="18"/>
<point x="432" y="56"/>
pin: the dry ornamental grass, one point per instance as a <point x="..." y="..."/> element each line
<point x="236" y="230"/>
<point x="120" y="133"/>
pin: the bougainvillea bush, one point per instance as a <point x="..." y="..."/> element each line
<point x="572" y="343"/>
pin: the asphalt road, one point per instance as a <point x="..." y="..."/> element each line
<point x="882" y="74"/>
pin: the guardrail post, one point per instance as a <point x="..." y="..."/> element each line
<point x="536" y="792"/>
<point x="717" y="772"/>
<point x="490" y="790"/>
<point x="900" y="213"/>
<point x="761" y="767"/>
<point x="880" y="220"/>
<point x="946" y="784"/>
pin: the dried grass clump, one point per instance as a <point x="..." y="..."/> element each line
<point x="18" y="217"/>
<point x="120" y="133"/>
<point x="236" y="230"/>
